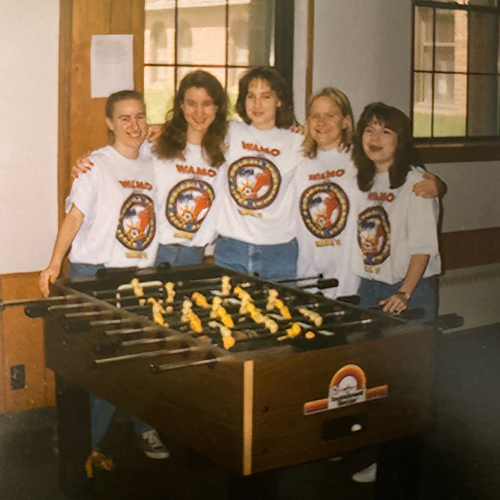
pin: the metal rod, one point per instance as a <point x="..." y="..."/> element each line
<point x="88" y="314"/>
<point x="23" y="302"/>
<point x="106" y="322"/>
<point x="145" y="355"/>
<point x="177" y="366"/>
<point x="129" y="331"/>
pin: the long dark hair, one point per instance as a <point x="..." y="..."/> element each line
<point x="285" y="117"/>
<point x="173" y="139"/>
<point x="405" y="156"/>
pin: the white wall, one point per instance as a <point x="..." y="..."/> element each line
<point x="364" y="47"/>
<point x="473" y="200"/>
<point x="29" y="37"/>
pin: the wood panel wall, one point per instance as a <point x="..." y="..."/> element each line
<point x="21" y="343"/>
<point x="81" y="118"/>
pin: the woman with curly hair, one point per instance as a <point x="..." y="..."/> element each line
<point x="188" y="153"/>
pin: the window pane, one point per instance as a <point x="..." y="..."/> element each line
<point x="219" y="73"/>
<point x="485" y="3"/>
<point x="422" y="105"/>
<point x="483" y="56"/>
<point x="233" y="78"/>
<point x="450" y="105"/>
<point x="251" y="32"/>
<point x="159" y="43"/>
<point x="158" y="92"/>
<point x="423" y="38"/>
<point x="201" y="32"/>
<point x="483" y="106"/>
<point x="447" y="30"/>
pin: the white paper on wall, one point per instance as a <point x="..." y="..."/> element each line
<point x="111" y="64"/>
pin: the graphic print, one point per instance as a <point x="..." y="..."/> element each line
<point x="324" y="209"/>
<point x="188" y="204"/>
<point x="347" y="387"/>
<point x="137" y="223"/>
<point x="374" y="235"/>
<point x="254" y="182"/>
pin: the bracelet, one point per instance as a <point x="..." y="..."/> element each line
<point x="406" y="295"/>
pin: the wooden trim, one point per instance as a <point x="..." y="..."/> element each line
<point x="310" y="49"/>
<point x="459" y="152"/>
<point x="478" y="247"/>
<point x="22" y="343"/>
<point x="3" y="389"/>
<point x="248" y="375"/>
<point x="65" y="51"/>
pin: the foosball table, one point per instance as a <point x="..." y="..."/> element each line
<point x="255" y="375"/>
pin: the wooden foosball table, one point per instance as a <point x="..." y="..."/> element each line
<point x="253" y="374"/>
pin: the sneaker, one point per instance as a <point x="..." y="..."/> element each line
<point x="367" y="475"/>
<point x="153" y="446"/>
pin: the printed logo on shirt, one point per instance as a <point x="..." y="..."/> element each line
<point x="201" y="171"/>
<point x="324" y="209"/>
<point x="188" y="204"/>
<point x="374" y="235"/>
<point x="254" y="182"/>
<point x="372" y="196"/>
<point x="137" y="223"/>
<point x="260" y="149"/>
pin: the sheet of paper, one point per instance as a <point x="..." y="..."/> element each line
<point x="111" y="64"/>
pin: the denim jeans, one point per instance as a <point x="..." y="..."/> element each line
<point x="178" y="255"/>
<point x="425" y="295"/>
<point x="267" y="261"/>
<point x="101" y="412"/>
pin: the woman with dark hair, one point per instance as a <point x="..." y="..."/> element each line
<point x="254" y="219"/>
<point x="326" y="191"/>
<point x="188" y="154"/>
<point x="398" y="258"/>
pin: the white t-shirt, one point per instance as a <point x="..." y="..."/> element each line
<point x="326" y="213"/>
<point x="117" y="200"/>
<point x="255" y="187"/>
<point x="185" y="194"/>
<point x="393" y="225"/>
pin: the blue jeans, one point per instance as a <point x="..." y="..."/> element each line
<point x="178" y="255"/>
<point x="425" y="295"/>
<point x="268" y="261"/>
<point x="101" y="412"/>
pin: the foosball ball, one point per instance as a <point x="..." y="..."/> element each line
<point x="255" y="375"/>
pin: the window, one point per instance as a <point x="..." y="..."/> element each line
<point x="225" y="37"/>
<point x="456" y="70"/>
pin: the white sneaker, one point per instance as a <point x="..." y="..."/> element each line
<point x="153" y="446"/>
<point x="367" y="475"/>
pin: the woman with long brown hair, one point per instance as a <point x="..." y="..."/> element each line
<point x="188" y="154"/>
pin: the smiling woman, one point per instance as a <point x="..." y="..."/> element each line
<point x="187" y="155"/>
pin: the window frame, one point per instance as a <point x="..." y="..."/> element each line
<point x="450" y="149"/>
<point x="284" y="18"/>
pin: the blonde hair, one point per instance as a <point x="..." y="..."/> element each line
<point x="310" y="146"/>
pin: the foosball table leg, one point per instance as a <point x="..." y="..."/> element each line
<point x="73" y="427"/>
<point x="398" y="469"/>
<point x="263" y="486"/>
